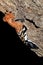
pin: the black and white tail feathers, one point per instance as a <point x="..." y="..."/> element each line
<point x="26" y="40"/>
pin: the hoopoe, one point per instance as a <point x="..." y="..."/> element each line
<point x="19" y="27"/>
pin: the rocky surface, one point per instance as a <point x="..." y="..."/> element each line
<point x="28" y="9"/>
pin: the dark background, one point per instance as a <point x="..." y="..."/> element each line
<point x="13" y="47"/>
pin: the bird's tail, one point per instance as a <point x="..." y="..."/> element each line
<point x="31" y="44"/>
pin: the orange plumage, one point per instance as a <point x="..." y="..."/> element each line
<point x="15" y="24"/>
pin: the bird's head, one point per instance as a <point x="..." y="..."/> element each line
<point x="8" y="16"/>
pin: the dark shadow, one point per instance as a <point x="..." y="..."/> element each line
<point x="31" y="21"/>
<point x="12" y="46"/>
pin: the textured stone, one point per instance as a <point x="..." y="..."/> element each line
<point x="32" y="10"/>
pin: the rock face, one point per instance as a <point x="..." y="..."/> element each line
<point x="27" y="9"/>
<point x="32" y="9"/>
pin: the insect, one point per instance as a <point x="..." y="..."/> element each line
<point x="19" y="27"/>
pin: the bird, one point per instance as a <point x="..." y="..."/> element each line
<point x="20" y="29"/>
